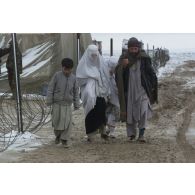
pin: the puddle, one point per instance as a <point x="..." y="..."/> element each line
<point x="190" y="134"/>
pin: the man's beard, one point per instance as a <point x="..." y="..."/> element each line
<point x="133" y="55"/>
<point x="132" y="58"/>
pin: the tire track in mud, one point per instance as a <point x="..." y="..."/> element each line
<point x="186" y="74"/>
<point x="188" y="150"/>
<point x="176" y="99"/>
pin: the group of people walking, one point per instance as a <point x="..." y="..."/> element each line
<point x="111" y="90"/>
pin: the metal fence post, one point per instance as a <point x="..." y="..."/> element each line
<point x="111" y="47"/>
<point x="18" y="90"/>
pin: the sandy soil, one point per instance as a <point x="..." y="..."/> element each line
<point x="166" y="140"/>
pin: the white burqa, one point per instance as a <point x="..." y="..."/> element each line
<point x="93" y="78"/>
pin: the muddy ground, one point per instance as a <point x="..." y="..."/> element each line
<point x="165" y="135"/>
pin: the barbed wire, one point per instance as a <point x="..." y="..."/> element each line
<point x="35" y="114"/>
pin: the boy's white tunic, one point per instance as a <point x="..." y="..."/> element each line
<point x="62" y="92"/>
<point x="61" y="117"/>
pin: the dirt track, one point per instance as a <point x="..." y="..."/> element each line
<point x="166" y="141"/>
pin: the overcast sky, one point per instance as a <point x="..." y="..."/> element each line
<point x="171" y="41"/>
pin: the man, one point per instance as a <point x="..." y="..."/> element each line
<point x="4" y="52"/>
<point x="11" y="67"/>
<point x="137" y="84"/>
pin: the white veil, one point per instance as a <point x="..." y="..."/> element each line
<point x="93" y="72"/>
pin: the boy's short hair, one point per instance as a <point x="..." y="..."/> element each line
<point x="67" y="63"/>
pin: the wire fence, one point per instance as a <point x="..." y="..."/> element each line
<point x="35" y="114"/>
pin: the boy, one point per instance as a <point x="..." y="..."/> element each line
<point x="62" y="92"/>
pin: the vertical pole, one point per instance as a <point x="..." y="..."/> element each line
<point x="153" y="51"/>
<point x="111" y="47"/>
<point x="78" y="47"/>
<point x="18" y="90"/>
<point x="0" y="66"/>
<point x="160" y="56"/>
<point x="78" y="55"/>
<point x="147" y="49"/>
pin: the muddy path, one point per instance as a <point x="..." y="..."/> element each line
<point x="166" y="139"/>
<point x="182" y="103"/>
<point x="189" y="151"/>
<point x="189" y="108"/>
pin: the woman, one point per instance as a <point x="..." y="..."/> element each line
<point x="93" y="79"/>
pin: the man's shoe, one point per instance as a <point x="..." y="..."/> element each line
<point x="141" y="139"/>
<point x="111" y="135"/>
<point x="65" y="143"/>
<point x="104" y="136"/>
<point x="57" y="140"/>
<point x="132" y="138"/>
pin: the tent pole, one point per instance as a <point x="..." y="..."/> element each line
<point x="18" y="90"/>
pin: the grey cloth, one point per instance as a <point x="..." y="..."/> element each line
<point x="113" y="92"/>
<point x="112" y="114"/>
<point x="63" y="135"/>
<point x="113" y="107"/>
<point x="62" y="120"/>
<point x="111" y="123"/>
<point x="63" y="90"/>
<point x="131" y="128"/>
<point x="138" y="103"/>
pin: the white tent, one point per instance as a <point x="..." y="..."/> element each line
<point x="42" y="53"/>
